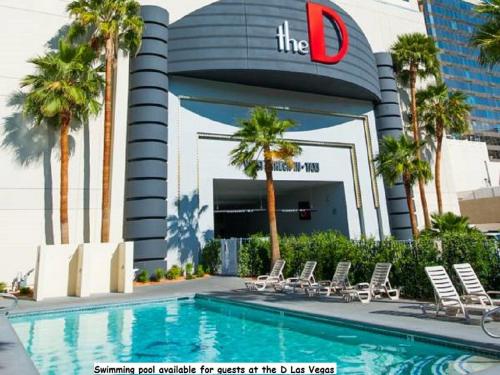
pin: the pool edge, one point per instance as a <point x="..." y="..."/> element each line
<point x="473" y="346"/>
<point x="13" y="357"/>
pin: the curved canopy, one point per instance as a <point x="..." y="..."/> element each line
<point x="237" y="41"/>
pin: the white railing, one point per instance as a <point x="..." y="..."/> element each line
<point x="489" y="192"/>
<point x="4" y="310"/>
<point x="487" y="318"/>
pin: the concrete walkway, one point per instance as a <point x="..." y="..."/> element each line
<point x="405" y="316"/>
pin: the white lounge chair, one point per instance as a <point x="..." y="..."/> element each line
<point x="340" y="281"/>
<point x="447" y="297"/>
<point x="473" y="287"/>
<point x="305" y="280"/>
<point x="265" y="281"/>
<point x="379" y="285"/>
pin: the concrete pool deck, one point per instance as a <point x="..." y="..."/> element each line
<point x="405" y="316"/>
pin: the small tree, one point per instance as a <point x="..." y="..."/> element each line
<point x="487" y="36"/>
<point x="398" y="159"/>
<point x="415" y="56"/>
<point x="65" y="87"/>
<point x="262" y="135"/>
<point x="449" y="222"/>
<point x="111" y="25"/>
<point x="442" y="111"/>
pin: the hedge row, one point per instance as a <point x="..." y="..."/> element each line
<point x="408" y="258"/>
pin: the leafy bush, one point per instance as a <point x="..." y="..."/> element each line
<point x="174" y="272"/>
<point x="189" y="269"/>
<point x="210" y="257"/>
<point x="408" y="258"/>
<point x="254" y="256"/>
<point x="25" y="290"/>
<point x="142" y="276"/>
<point x="3" y="287"/>
<point x="200" y="272"/>
<point x="158" y="275"/>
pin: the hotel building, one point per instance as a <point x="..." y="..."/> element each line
<point x="202" y="67"/>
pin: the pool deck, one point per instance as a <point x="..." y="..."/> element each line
<point x="405" y="316"/>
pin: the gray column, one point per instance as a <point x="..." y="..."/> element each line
<point x="147" y="142"/>
<point x="390" y="123"/>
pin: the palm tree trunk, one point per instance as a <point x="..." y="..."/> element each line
<point x="411" y="208"/>
<point x="437" y="170"/>
<point x="271" y="210"/>
<point x="416" y="137"/>
<point x="63" y="193"/>
<point x="108" y="127"/>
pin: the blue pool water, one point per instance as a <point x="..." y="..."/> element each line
<point x="203" y="330"/>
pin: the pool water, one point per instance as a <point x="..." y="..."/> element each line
<point x="205" y="330"/>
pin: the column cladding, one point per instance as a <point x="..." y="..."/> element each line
<point x="390" y="123"/>
<point x="147" y="141"/>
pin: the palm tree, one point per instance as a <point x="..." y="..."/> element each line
<point x="442" y="111"/>
<point x="111" y="25"/>
<point x="398" y="158"/>
<point x="65" y="87"/>
<point x="262" y="136"/>
<point x="415" y="56"/>
<point x="487" y="35"/>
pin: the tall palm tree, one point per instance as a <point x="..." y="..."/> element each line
<point x="262" y="135"/>
<point x="415" y="56"/>
<point x="111" y="25"/>
<point x="442" y="111"/>
<point x="398" y="159"/>
<point x="487" y="35"/>
<point x="65" y="88"/>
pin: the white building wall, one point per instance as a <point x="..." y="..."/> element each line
<point x="29" y="158"/>
<point x="472" y="168"/>
<point x="465" y="166"/>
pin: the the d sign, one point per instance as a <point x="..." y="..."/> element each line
<point x="316" y="14"/>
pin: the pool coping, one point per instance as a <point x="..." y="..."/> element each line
<point x="13" y="357"/>
<point x="98" y="306"/>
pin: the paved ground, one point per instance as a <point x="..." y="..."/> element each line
<point x="402" y="316"/>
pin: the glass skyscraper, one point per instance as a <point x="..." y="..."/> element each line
<point x="451" y="23"/>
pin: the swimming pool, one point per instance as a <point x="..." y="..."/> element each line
<point x="207" y="330"/>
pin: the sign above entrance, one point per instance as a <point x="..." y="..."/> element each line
<point x="316" y="46"/>
<point x="281" y="166"/>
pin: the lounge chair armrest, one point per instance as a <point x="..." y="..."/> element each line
<point x="362" y="286"/>
<point x="292" y="280"/>
<point x="263" y="277"/>
<point x="444" y="299"/>
<point x="493" y="292"/>
<point x="472" y="297"/>
<point x="324" y="283"/>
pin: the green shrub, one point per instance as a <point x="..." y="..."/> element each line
<point x="189" y="269"/>
<point x="409" y="259"/>
<point x="142" y="276"/>
<point x="200" y="272"/>
<point x="3" y="287"/>
<point x="254" y="257"/>
<point x="25" y="290"/>
<point x="210" y="257"/>
<point x="158" y="275"/>
<point x="174" y="272"/>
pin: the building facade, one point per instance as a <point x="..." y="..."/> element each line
<point x="202" y="67"/>
<point x="451" y="23"/>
